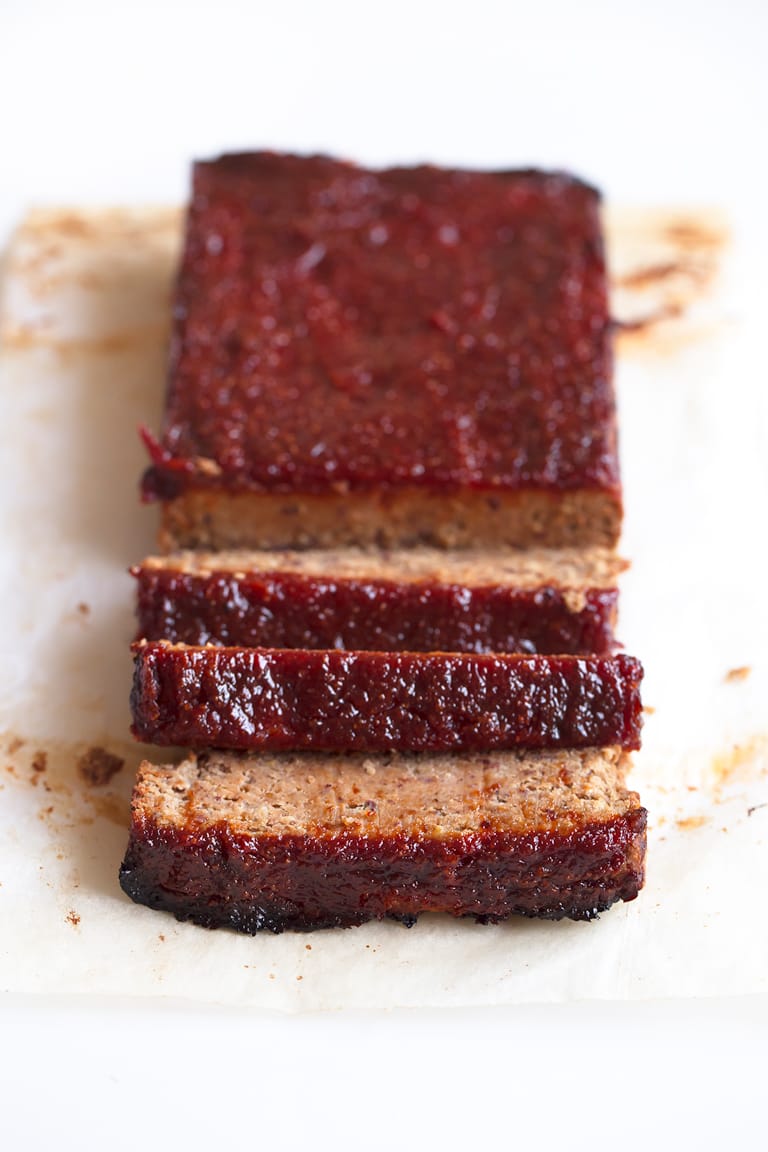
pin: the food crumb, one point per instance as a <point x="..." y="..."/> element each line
<point x="299" y="977"/>
<point x="39" y="765"/>
<point x="73" y="918"/>
<point x="649" y="710"/>
<point x="271" y="975"/>
<point x="740" y="673"/>
<point x="83" y="608"/>
<point x="97" y="766"/>
<point x="755" y="807"/>
<point x="161" y="937"/>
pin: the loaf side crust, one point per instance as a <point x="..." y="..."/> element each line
<point x="403" y="518"/>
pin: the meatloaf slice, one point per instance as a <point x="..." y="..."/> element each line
<point x="403" y="356"/>
<point x="421" y="600"/>
<point x="311" y="841"/>
<point x="292" y="699"/>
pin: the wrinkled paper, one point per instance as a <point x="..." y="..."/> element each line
<point x="83" y="332"/>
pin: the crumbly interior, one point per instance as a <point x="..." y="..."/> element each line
<point x="514" y="568"/>
<point x="437" y="796"/>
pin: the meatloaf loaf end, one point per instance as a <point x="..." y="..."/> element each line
<point x="413" y="355"/>
<point x="422" y="600"/>
<point x="313" y="841"/>
<point x="291" y="699"/>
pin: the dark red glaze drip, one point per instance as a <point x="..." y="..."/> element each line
<point x="285" y="610"/>
<point x="340" y="328"/>
<point x="249" y="698"/>
<point x="215" y="878"/>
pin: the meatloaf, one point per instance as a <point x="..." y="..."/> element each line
<point x="424" y="600"/>
<point x="291" y="699"/>
<point x="414" y="355"/>
<point x="314" y="841"/>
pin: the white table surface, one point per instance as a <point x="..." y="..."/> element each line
<point x="656" y="103"/>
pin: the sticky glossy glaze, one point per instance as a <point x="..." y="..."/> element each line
<point x="338" y="328"/>
<point x="286" y="610"/>
<point x="215" y="878"/>
<point x="246" y="698"/>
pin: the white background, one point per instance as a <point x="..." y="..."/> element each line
<point x="655" y="102"/>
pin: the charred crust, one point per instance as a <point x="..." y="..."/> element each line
<point x="213" y="884"/>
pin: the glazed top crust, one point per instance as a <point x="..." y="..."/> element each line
<point x="337" y="328"/>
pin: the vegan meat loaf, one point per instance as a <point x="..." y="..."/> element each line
<point x="311" y="841"/>
<point x="413" y="355"/>
<point x="423" y="600"/>
<point x="290" y="699"/>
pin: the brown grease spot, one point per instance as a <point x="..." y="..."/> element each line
<point x="641" y="277"/>
<point x="96" y="766"/>
<point x="691" y="822"/>
<point x="665" y="264"/>
<point x="83" y="608"/>
<point x="691" y="233"/>
<point x="641" y="324"/>
<point x="14" y="746"/>
<point x="751" y="753"/>
<point x="112" y="808"/>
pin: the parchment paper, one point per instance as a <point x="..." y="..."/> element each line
<point x="83" y="327"/>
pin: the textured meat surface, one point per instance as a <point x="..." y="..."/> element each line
<point x="331" y="700"/>
<point x="338" y="328"/>
<point x="310" y="841"/>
